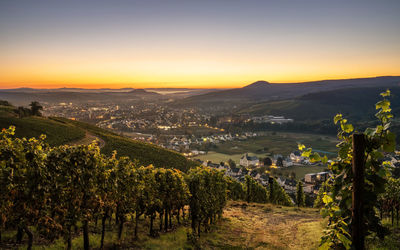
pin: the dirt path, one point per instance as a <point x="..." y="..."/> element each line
<point x="258" y="226"/>
<point x="89" y="138"/>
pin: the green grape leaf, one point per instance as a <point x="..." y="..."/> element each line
<point x="301" y="147"/>
<point x="384" y="105"/>
<point x="337" y="118"/>
<point x="346" y="241"/>
<point x="386" y="93"/>
<point x="327" y="199"/>
<point x="326" y="246"/>
<point x="370" y="131"/>
<point x="390" y="144"/>
<point x="347" y="128"/>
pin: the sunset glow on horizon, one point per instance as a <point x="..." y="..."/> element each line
<point x="204" y="44"/>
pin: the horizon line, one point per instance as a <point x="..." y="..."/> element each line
<point x="291" y="82"/>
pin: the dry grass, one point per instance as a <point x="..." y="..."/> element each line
<point x="259" y="226"/>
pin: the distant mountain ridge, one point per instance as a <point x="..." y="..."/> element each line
<point x="264" y="91"/>
<point x="23" y="97"/>
<point x="20" y="96"/>
<point x="64" y="89"/>
<point x="258" y="84"/>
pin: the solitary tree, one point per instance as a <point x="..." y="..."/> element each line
<point x="267" y="161"/>
<point x="300" y="198"/>
<point x="23" y="112"/>
<point x="35" y="108"/>
<point x="279" y="162"/>
<point x="231" y="163"/>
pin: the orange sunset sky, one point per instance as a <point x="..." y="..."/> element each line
<point x="203" y="44"/>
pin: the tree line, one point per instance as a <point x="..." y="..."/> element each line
<point x="34" y="110"/>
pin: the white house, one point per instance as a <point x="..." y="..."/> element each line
<point x="247" y="160"/>
<point x="310" y="178"/>
<point x="316" y="177"/>
<point x="287" y="163"/>
<point x="308" y="188"/>
<point x="296" y="157"/>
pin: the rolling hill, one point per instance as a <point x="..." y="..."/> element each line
<point x="355" y="103"/>
<point x="62" y="131"/>
<point x="34" y="126"/>
<point x="262" y="91"/>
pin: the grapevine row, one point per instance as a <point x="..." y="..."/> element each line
<point x="54" y="189"/>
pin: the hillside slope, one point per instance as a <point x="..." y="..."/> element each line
<point x="263" y="91"/>
<point x="62" y="131"/>
<point x="33" y="126"/>
<point x="144" y="153"/>
<point x="356" y="103"/>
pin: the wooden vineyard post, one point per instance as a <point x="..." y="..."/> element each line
<point x="271" y="187"/>
<point x="358" y="167"/>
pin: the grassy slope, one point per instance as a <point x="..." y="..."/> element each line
<point x="266" y="226"/>
<point x="253" y="226"/>
<point x="144" y="153"/>
<point x="57" y="133"/>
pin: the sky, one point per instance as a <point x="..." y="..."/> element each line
<point x="200" y="44"/>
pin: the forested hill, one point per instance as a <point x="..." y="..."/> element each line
<point x="355" y="103"/>
<point x="62" y="131"/>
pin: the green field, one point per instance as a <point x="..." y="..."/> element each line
<point x="278" y="143"/>
<point x="268" y="144"/>
<point x="300" y="171"/>
<point x="219" y="157"/>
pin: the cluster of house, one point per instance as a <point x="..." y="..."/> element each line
<point x="237" y="173"/>
<point x="271" y="119"/>
<point x="278" y="161"/>
<point x="311" y="182"/>
<point x="244" y="118"/>
<point x="185" y="143"/>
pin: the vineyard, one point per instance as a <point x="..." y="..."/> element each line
<point x="52" y="193"/>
